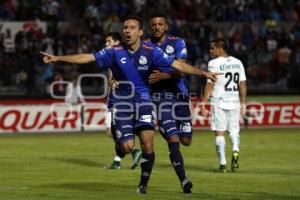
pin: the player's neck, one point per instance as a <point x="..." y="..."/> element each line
<point x="134" y="47"/>
<point x="224" y="55"/>
<point x="160" y="40"/>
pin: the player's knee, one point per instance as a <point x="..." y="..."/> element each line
<point x="173" y="138"/>
<point x="128" y="146"/>
<point x="147" y="147"/>
<point x="186" y="141"/>
<point x="234" y="133"/>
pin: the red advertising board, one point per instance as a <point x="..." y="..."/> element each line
<point x="61" y="117"/>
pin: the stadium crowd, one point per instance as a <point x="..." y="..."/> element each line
<point x="264" y="34"/>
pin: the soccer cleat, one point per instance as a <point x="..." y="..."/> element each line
<point x="234" y="161"/>
<point x="222" y="169"/>
<point x="141" y="190"/>
<point x="186" y="186"/>
<point x="114" y="165"/>
<point x="136" y="158"/>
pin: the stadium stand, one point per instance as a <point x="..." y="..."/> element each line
<point x="265" y="35"/>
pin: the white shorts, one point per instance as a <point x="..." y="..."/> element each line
<point x="225" y="120"/>
<point x="108" y="119"/>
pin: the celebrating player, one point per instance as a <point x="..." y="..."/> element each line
<point x="115" y="38"/>
<point x="228" y="100"/>
<point x="133" y="110"/>
<point x="170" y="93"/>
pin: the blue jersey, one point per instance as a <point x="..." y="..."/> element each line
<point x="133" y="67"/>
<point x="175" y="48"/>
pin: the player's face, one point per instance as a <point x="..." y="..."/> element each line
<point x="158" y="26"/>
<point x="132" y="31"/>
<point x="109" y="42"/>
<point x="214" y="51"/>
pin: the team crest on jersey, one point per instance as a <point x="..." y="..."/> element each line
<point x="169" y="49"/>
<point x="143" y="60"/>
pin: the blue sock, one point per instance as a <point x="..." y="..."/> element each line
<point x="177" y="160"/>
<point x="146" y="168"/>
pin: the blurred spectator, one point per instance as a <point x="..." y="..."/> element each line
<point x="265" y="35"/>
<point x="8" y="42"/>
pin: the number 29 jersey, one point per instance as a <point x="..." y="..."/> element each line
<point x="225" y="92"/>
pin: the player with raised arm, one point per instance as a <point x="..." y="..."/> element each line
<point x="169" y="94"/>
<point x="112" y="39"/>
<point x="133" y="113"/>
<point x="228" y="100"/>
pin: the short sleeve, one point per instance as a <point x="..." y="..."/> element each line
<point x="210" y="68"/>
<point x="242" y="72"/>
<point x="104" y="57"/>
<point x="160" y="58"/>
<point x="181" y="52"/>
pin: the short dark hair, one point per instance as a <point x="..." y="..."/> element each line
<point x="220" y="43"/>
<point x="157" y="14"/>
<point x="135" y="17"/>
<point x="116" y="36"/>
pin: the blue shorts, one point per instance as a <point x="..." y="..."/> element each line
<point x="131" y="117"/>
<point x="183" y="117"/>
<point x="173" y="115"/>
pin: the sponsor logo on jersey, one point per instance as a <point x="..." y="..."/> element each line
<point x="123" y="60"/>
<point x="142" y="68"/>
<point x="228" y="67"/>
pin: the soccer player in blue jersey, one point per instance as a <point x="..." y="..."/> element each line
<point x="133" y="111"/>
<point x="111" y="39"/>
<point x="170" y="95"/>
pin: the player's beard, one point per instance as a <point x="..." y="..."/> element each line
<point x="157" y="38"/>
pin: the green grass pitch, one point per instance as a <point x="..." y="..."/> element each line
<point x="70" y="167"/>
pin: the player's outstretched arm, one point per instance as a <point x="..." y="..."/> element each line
<point x="189" y="69"/>
<point x="75" y="59"/>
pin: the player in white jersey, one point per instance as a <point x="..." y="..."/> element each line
<point x="228" y="97"/>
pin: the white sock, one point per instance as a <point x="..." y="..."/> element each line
<point x="235" y="141"/>
<point x="220" y="147"/>
<point x="117" y="158"/>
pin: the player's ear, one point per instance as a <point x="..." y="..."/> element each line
<point x="141" y="33"/>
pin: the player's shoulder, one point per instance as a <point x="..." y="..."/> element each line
<point x="237" y="61"/>
<point x="147" y="40"/>
<point x="214" y="61"/>
<point x="148" y="45"/>
<point x="175" y="39"/>
<point x="172" y="37"/>
<point x="234" y="59"/>
<point x="117" y="47"/>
